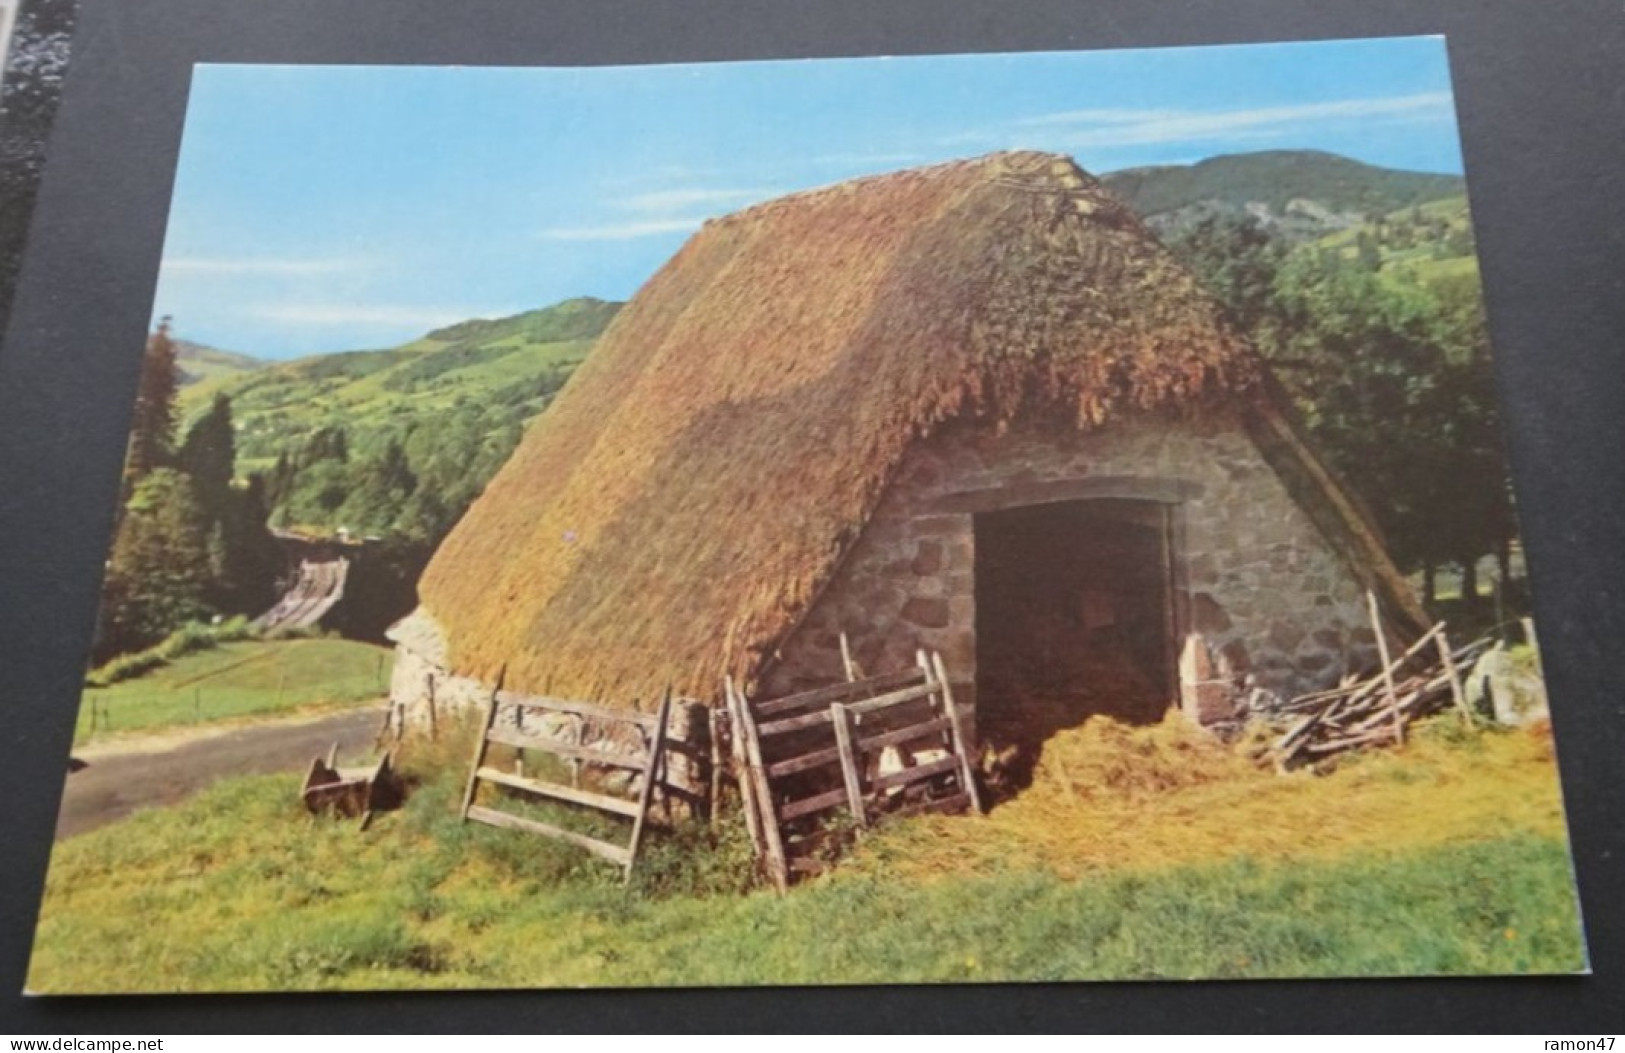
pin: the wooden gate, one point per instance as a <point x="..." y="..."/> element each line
<point x="649" y="762"/>
<point x="804" y="756"/>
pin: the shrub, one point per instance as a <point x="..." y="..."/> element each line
<point x="125" y="667"/>
<point x="190" y="638"/>
<point x="697" y="859"/>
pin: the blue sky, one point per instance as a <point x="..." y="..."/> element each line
<point x="325" y="208"/>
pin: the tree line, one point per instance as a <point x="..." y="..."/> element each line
<point x="190" y="543"/>
<point x="1393" y="378"/>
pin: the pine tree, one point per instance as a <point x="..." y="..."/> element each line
<point x="209" y="453"/>
<point x="152" y="430"/>
<point x="158" y="576"/>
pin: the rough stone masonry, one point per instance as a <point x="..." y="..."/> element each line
<point x="1258" y="592"/>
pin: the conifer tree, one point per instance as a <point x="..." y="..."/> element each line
<point x="158" y="574"/>
<point x="152" y="429"/>
<point x="209" y="453"/>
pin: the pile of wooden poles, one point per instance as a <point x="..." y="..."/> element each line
<point x="1375" y="709"/>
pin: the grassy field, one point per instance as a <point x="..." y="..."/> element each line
<point x="238" y="679"/>
<point x="1136" y="854"/>
<point x="1428" y="261"/>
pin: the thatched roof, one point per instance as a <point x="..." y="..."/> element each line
<point x="701" y="476"/>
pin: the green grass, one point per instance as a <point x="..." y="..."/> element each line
<point x="238" y="889"/>
<point x="237" y="680"/>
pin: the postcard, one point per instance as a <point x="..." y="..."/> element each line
<point x="965" y="518"/>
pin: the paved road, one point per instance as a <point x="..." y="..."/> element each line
<point x="162" y="769"/>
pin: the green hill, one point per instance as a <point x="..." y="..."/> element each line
<point x="397" y="441"/>
<point x="1432" y="242"/>
<point x="514" y="363"/>
<point x="199" y="362"/>
<point x="1301" y="194"/>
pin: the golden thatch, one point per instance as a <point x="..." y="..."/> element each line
<point x="701" y="476"/>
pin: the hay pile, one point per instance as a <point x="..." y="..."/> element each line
<point x="1107" y="759"/>
<point x="701" y="476"/>
<point x="1107" y="796"/>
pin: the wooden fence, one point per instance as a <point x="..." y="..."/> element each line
<point x="649" y="762"/>
<point x="803" y="758"/>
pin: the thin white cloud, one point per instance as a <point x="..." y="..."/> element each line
<point x="357" y="315"/>
<point x="682" y="200"/>
<point x="1101" y="116"/>
<point x="624" y="231"/>
<point x="1100" y="128"/>
<point x="263" y="266"/>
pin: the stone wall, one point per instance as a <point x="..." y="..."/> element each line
<point x="426" y="697"/>
<point x="423" y="693"/>
<point x="1254" y="582"/>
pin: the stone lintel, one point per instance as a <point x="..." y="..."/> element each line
<point x="1124" y="487"/>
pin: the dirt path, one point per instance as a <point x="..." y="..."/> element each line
<point x="122" y="776"/>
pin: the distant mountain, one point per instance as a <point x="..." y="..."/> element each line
<point x="199" y="362"/>
<point x="1298" y="194"/>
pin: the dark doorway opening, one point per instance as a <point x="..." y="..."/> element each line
<point x="1073" y="620"/>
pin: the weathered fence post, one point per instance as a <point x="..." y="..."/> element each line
<point x="1456" y="691"/>
<point x="1387" y="667"/>
<point x="841" y="717"/>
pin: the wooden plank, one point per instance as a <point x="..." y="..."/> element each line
<point x="868" y="705"/>
<point x="955" y="803"/>
<point x="614" y="853"/>
<point x="633" y="761"/>
<point x="1387" y="669"/>
<point x="789" y="724"/>
<point x="805" y="762"/>
<point x="924" y="662"/>
<point x="822" y="696"/>
<point x="1457" y="694"/>
<point x="863" y="744"/>
<point x="481" y="745"/>
<point x="893" y="698"/>
<point x="967" y="774"/>
<point x="778" y="867"/>
<point x="1171" y="634"/>
<point x="653" y="770"/>
<point x="809" y="805"/>
<point x="741" y="770"/>
<point x="915" y="774"/>
<point x="1301" y="729"/>
<point x="851" y="776"/>
<point x="913" y="732"/>
<point x="560" y="792"/>
<point x="580" y="709"/>
<point x="713" y="719"/>
<point x="847" y="663"/>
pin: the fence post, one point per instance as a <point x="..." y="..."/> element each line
<point x="966" y="773"/>
<point x="778" y="864"/>
<point x="841" y="717"/>
<point x="1387" y="667"/>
